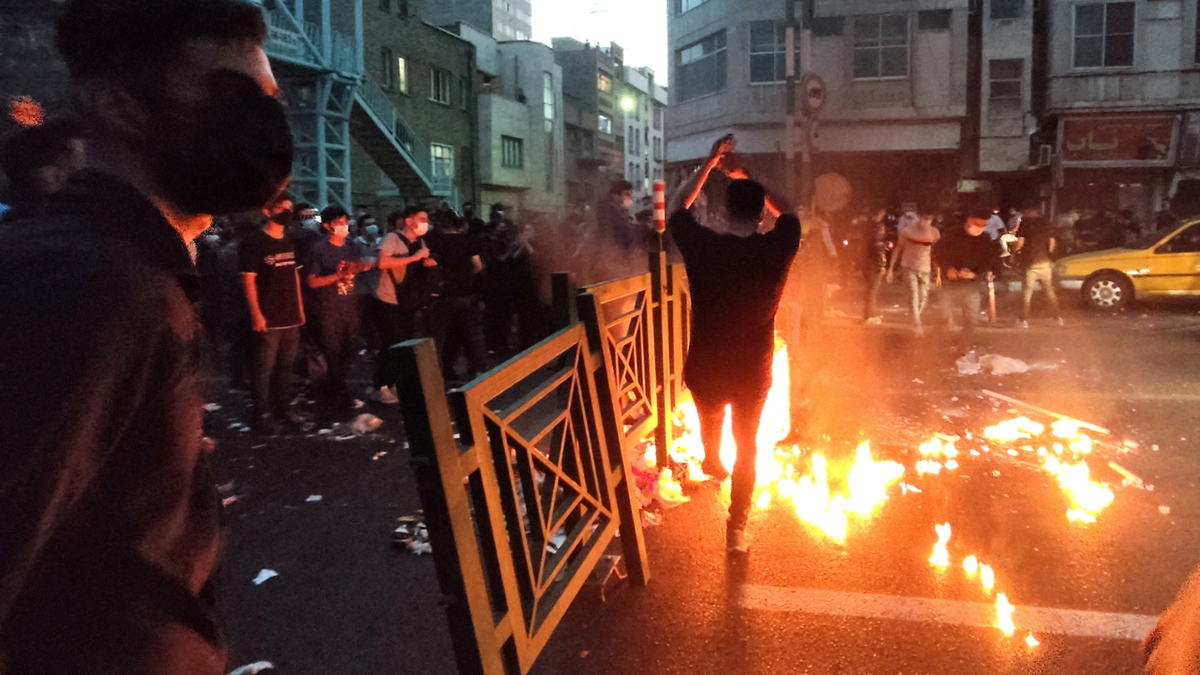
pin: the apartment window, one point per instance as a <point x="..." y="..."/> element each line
<point x="880" y="46"/>
<point x="1104" y="34"/>
<point x="658" y="115"/>
<point x="1004" y="87"/>
<point x="700" y="67"/>
<point x="1007" y="9"/>
<point x="548" y="95"/>
<point x="389" y="75"/>
<point x="442" y="159"/>
<point x="604" y="124"/>
<point x="604" y="82"/>
<point x="385" y="5"/>
<point x="686" y="5"/>
<point x="402" y="74"/>
<point x="439" y="85"/>
<point x="768" y="51"/>
<point x="512" y="153"/>
<point x="935" y="19"/>
<point x="826" y="26"/>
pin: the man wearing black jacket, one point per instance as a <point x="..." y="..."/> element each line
<point x="966" y="259"/>
<point x="736" y="279"/>
<point x="109" y="518"/>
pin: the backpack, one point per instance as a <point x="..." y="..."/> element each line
<point x="421" y="285"/>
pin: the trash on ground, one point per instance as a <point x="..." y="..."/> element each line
<point x="651" y="519"/>
<point x="668" y="491"/>
<point x="1165" y="510"/>
<point x="225" y="488"/>
<point x="412" y="536"/>
<point x="263" y="575"/>
<point x="345" y="437"/>
<point x="358" y="403"/>
<point x="229" y="500"/>
<point x="313" y="498"/>
<point x="253" y="668"/>
<point x="381" y="453"/>
<point x="972" y="364"/>
<point x="365" y="424"/>
<point x="556" y="542"/>
<point x="212" y="407"/>
<point x="1129" y="477"/>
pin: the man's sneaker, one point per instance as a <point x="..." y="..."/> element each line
<point x="875" y="321"/>
<point x="735" y="540"/>
<point x="1059" y="321"/>
<point x="714" y="469"/>
<point x="386" y="396"/>
<point x="1022" y="324"/>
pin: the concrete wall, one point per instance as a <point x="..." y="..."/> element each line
<point x="1163" y="74"/>
<point x="1004" y="142"/>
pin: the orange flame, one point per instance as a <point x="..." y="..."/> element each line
<point x="940" y="557"/>
<point x="1004" y="612"/>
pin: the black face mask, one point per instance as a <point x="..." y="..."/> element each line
<point x="233" y="153"/>
<point x="282" y="217"/>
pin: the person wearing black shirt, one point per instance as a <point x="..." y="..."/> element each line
<point x="966" y="257"/>
<point x="736" y="279"/>
<point x="270" y="276"/>
<point x="456" y="314"/>
<point x="1036" y="247"/>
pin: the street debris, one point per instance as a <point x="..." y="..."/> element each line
<point x="994" y="364"/>
<point x="365" y="424"/>
<point x="229" y="500"/>
<point x="1130" y="477"/>
<point x="1165" y="510"/>
<point x="412" y="536"/>
<point x="212" y="407"/>
<point x="313" y="498"/>
<point x="381" y="453"/>
<point x="253" y="668"/>
<point x="263" y="575"/>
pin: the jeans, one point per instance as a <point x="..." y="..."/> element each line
<point x="274" y="354"/>
<point x="964" y="295"/>
<point x="337" y="336"/>
<point x="393" y="324"/>
<point x="746" y="410"/>
<point x="457" y="326"/>
<point x="1044" y="274"/>
<point x="918" y="292"/>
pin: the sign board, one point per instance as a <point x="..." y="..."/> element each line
<point x="814" y="93"/>
<point x="1112" y="141"/>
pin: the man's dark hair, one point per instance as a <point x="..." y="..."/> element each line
<point x="979" y="211"/>
<point x="745" y="199"/>
<point x="332" y="213"/>
<point x="302" y="206"/>
<point x="410" y="211"/>
<point x="36" y="147"/>
<point x="129" y="39"/>
<point x="620" y="187"/>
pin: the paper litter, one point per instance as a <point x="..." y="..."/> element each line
<point x="253" y="668"/>
<point x="212" y="407"/>
<point x="365" y="424"/>
<point x="313" y="498"/>
<point x="263" y="575"/>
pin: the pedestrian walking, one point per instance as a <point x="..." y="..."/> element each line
<point x="875" y="266"/>
<point x="394" y="303"/>
<point x="1037" y="247"/>
<point x="331" y="268"/>
<point x="111" y="525"/>
<point x="913" y="255"/>
<point x="736" y="279"/>
<point x="457" y="313"/>
<point x="271" y="280"/>
<point x="966" y="258"/>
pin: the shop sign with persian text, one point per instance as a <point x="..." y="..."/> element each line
<point x="1134" y="140"/>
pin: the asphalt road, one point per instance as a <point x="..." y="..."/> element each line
<point x="346" y="602"/>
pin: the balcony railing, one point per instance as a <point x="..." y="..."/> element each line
<point x="292" y="39"/>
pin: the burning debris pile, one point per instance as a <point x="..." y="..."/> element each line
<point x="835" y="497"/>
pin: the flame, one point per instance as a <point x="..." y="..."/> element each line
<point x="1004" y="612"/>
<point x="940" y="557"/>
<point x="987" y="577"/>
<point x="1031" y="641"/>
<point x="1014" y="430"/>
<point x="1087" y="496"/>
<point x="970" y="566"/>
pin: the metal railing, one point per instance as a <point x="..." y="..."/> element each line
<point x="379" y="105"/>
<point x="292" y="39"/>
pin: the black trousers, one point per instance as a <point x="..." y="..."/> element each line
<point x="746" y="407"/>
<point x="337" y="336"/>
<point x="393" y="325"/>
<point x="274" y="355"/>
<point x="457" y="324"/>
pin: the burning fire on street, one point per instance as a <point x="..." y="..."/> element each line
<point x="833" y="497"/>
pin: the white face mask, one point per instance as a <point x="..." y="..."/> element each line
<point x="311" y="224"/>
<point x="341" y="230"/>
<point x="422" y="229"/>
<point x="212" y="238"/>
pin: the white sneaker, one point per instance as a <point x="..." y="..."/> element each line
<point x="1060" y="322"/>
<point x="386" y="396"/>
<point x="1022" y="324"/>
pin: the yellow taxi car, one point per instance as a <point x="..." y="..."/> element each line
<point x="1161" y="264"/>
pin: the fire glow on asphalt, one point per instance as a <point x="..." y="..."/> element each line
<point x="833" y="498"/>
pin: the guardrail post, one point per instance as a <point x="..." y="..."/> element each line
<point x="562" y="293"/>
<point x="660" y="326"/>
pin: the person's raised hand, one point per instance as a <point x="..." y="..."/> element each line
<point x="724" y="145"/>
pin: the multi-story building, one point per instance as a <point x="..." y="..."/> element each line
<point x="895" y="74"/>
<point x="595" y="131"/>
<point x="644" y="104"/>
<point x="421" y="78"/>
<point x="520" y="106"/>
<point x="502" y="19"/>
<point x="1124" y="93"/>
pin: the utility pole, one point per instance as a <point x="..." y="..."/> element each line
<point x="789" y="123"/>
<point x="804" y="22"/>
<point x="806" y="171"/>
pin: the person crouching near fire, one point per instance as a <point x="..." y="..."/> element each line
<point x="736" y="278"/>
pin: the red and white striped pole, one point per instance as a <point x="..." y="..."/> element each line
<point x="660" y="206"/>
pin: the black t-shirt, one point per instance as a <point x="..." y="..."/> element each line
<point x="273" y="261"/>
<point x="960" y="251"/>
<point x="1036" y="249"/>
<point x="453" y="252"/>
<point x="736" y="283"/>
